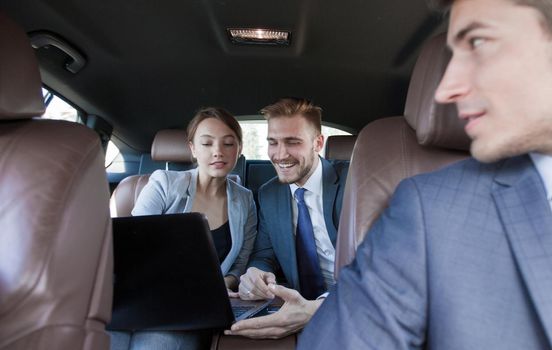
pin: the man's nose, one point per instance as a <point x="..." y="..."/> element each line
<point x="281" y="151"/>
<point x="454" y="84"/>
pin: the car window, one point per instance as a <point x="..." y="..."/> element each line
<point x="110" y="155"/>
<point x="254" y="138"/>
<point x="58" y="109"/>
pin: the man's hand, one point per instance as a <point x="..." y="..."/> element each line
<point x="254" y="284"/>
<point x="292" y="316"/>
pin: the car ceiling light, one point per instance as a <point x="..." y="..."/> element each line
<point x="258" y="36"/>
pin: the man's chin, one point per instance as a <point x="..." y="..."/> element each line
<point x="287" y="179"/>
<point x="488" y="154"/>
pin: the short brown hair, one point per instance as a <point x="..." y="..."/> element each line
<point x="291" y="106"/>
<point x="543" y="6"/>
<point x="217" y="113"/>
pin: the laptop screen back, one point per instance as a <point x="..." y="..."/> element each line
<point x="167" y="275"/>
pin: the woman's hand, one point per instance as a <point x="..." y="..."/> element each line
<point x="231" y="283"/>
<point x="254" y="284"/>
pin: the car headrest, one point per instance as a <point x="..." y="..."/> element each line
<point x="435" y="124"/>
<point x="171" y="145"/>
<point x="339" y="147"/>
<point x="20" y="83"/>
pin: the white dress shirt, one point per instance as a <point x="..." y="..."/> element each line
<point x="543" y="163"/>
<point x="313" y="200"/>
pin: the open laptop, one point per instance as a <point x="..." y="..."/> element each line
<point x="168" y="277"/>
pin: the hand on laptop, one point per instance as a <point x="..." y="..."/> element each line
<point x="254" y="284"/>
<point x="232" y="294"/>
<point x="292" y="316"/>
<point x="231" y="283"/>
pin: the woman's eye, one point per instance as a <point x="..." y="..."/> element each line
<point x="229" y="144"/>
<point x="206" y="144"/>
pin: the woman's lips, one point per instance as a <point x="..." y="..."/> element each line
<point x="218" y="165"/>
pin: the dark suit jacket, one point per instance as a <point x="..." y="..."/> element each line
<point x="462" y="259"/>
<point x="275" y="243"/>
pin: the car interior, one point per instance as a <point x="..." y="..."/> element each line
<point x="136" y="72"/>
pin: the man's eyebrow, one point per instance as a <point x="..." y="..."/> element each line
<point x="291" y="138"/>
<point x="463" y="32"/>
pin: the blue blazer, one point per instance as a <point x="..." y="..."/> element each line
<point x="275" y="243"/>
<point x="170" y="192"/>
<point x="462" y="259"/>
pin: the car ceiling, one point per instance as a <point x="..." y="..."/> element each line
<point x="152" y="64"/>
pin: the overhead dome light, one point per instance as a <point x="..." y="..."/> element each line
<point x="258" y="36"/>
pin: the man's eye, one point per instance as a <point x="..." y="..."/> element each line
<point x="476" y="42"/>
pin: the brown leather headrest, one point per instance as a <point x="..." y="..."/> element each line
<point x="339" y="147"/>
<point x="435" y="124"/>
<point x="171" y="145"/>
<point x="20" y="83"/>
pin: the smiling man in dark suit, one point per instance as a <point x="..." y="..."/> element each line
<point x="298" y="218"/>
<point x="462" y="258"/>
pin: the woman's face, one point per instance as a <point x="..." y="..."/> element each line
<point x="216" y="148"/>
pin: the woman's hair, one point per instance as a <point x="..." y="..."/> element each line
<point x="217" y="113"/>
<point x="291" y="106"/>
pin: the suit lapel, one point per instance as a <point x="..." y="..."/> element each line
<point x="525" y="213"/>
<point x="330" y="187"/>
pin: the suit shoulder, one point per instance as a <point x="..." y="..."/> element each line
<point x="167" y="175"/>
<point x="270" y="186"/>
<point x="238" y="188"/>
<point x="462" y="174"/>
<point x="341" y="167"/>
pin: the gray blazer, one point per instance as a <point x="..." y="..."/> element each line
<point x="461" y="259"/>
<point x="170" y="192"/>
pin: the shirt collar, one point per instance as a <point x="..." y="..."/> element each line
<point x="314" y="182"/>
<point x="543" y="163"/>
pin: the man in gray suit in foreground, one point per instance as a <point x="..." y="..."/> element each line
<point x="462" y="258"/>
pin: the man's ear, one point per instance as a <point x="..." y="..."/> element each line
<point x="318" y="143"/>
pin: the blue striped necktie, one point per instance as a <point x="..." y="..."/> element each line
<point x="310" y="276"/>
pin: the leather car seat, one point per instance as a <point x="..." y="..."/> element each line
<point x="55" y="239"/>
<point x="339" y="147"/>
<point x="168" y="146"/>
<point x="428" y="137"/>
